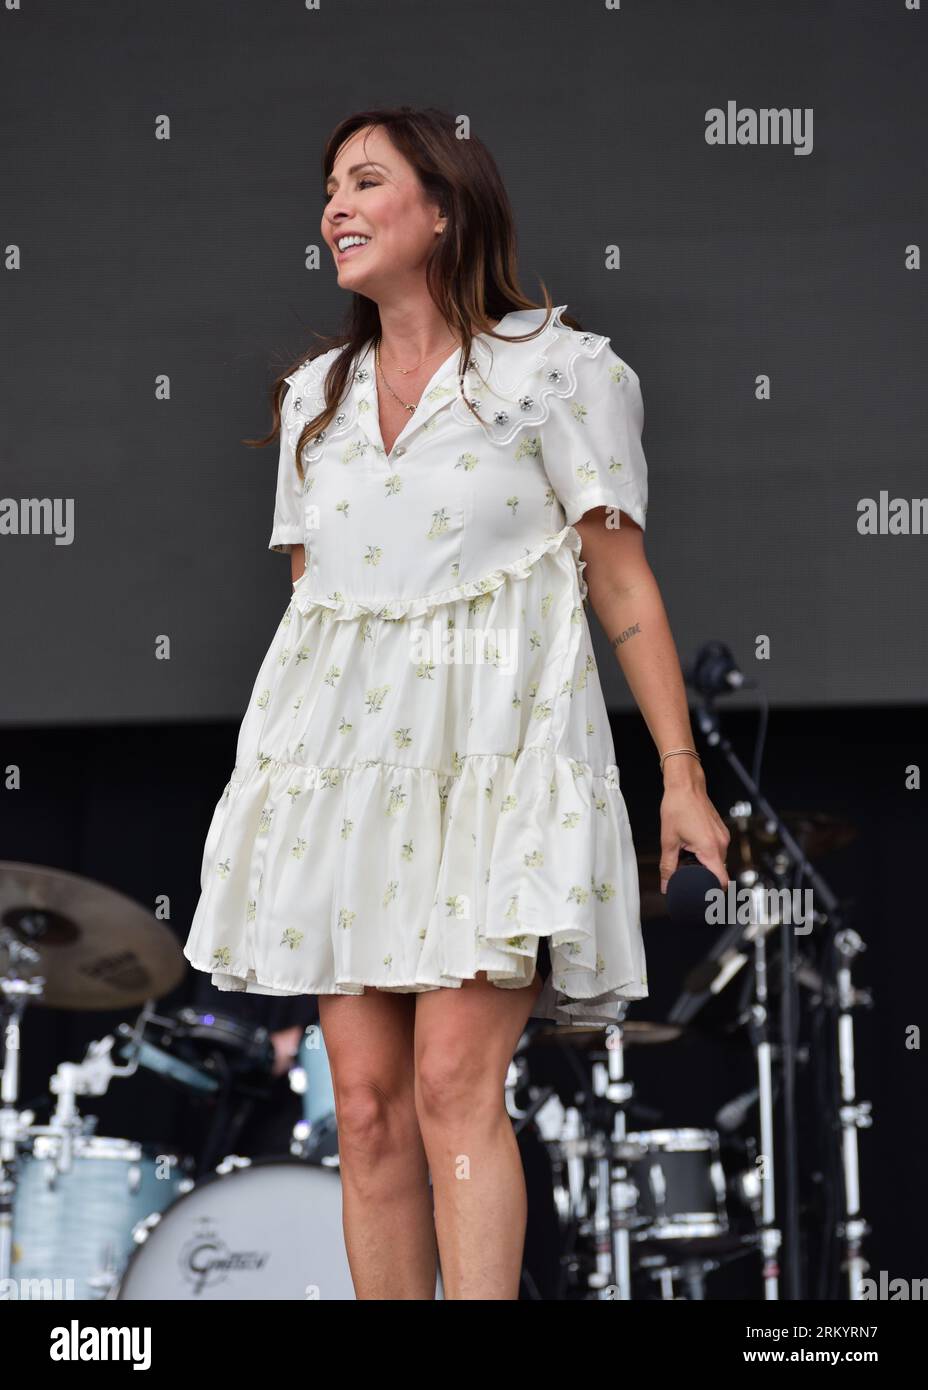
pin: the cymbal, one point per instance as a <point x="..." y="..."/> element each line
<point x="816" y="832"/>
<point x="97" y="948"/>
<point x="592" y="1036"/>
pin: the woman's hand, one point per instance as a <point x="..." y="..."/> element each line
<point x="286" y="1045"/>
<point x="690" y="821"/>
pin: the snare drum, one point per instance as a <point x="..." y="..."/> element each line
<point x="679" y="1182"/>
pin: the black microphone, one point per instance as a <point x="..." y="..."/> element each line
<point x="686" y="891"/>
<point x="715" y="672"/>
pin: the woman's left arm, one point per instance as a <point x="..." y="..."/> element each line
<point x="625" y="596"/>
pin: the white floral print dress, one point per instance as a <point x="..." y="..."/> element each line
<point x="425" y="781"/>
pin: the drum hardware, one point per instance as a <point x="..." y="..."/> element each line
<point x="594" y="1196"/>
<point x="16" y="957"/>
<point x="853" y="1114"/>
<point x="56" y="1145"/>
<point x="618" y="1197"/>
<point x="69" y="1197"/>
<point x="72" y="1196"/>
<point x="213" y="1059"/>
<point x="730" y="953"/>
<point x="633" y="1209"/>
<point x="770" y="845"/>
<point x="200" y="1051"/>
<point x="664" y="1272"/>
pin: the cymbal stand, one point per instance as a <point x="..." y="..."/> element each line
<point x="759" y="1029"/>
<point x="615" y="1194"/>
<point x="729" y="955"/>
<point x="91" y="1077"/>
<point x="15" y="993"/>
<point x="854" y="1114"/>
<point x="791" y="856"/>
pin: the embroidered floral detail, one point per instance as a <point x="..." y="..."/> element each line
<point x="374" y="698"/>
<point x="440" y="523"/>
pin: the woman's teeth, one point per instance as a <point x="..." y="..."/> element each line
<point x="350" y="245"/>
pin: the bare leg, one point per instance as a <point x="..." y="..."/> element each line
<point x="465" y="1039"/>
<point x="387" y="1212"/>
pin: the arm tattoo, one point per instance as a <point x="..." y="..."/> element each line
<point x="624" y="636"/>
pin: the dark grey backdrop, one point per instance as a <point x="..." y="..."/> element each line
<point x="185" y="257"/>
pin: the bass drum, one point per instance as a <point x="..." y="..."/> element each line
<point x="268" y="1229"/>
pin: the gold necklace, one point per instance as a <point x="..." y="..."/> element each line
<point x="405" y="404"/>
<point x="407" y="371"/>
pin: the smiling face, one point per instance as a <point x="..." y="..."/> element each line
<point x="374" y="192"/>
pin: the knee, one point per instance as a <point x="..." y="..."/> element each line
<point x="451" y="1086"/>
<point x="362" y="1115"/>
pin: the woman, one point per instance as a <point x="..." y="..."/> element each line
<point x="425" y="803"/>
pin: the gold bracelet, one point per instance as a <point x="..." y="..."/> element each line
<point x="691" y="751"/>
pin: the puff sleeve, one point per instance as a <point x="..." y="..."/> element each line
<point x="288" y="505"/>
<point x="591" y="439"/>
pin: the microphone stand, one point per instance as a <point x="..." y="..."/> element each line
<point x="709" y="726"/>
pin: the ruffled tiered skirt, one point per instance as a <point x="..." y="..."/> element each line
<point x="421" y="792"/>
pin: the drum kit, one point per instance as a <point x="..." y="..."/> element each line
<point x="631" y="1206"/>
<point x="88" y="1216"/>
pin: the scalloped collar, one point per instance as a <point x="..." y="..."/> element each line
<point x="495" y="380"/>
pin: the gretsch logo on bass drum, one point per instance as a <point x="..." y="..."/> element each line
<point x="206" y="1260"/>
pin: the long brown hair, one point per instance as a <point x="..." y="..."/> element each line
<point x="471" y="271"/>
